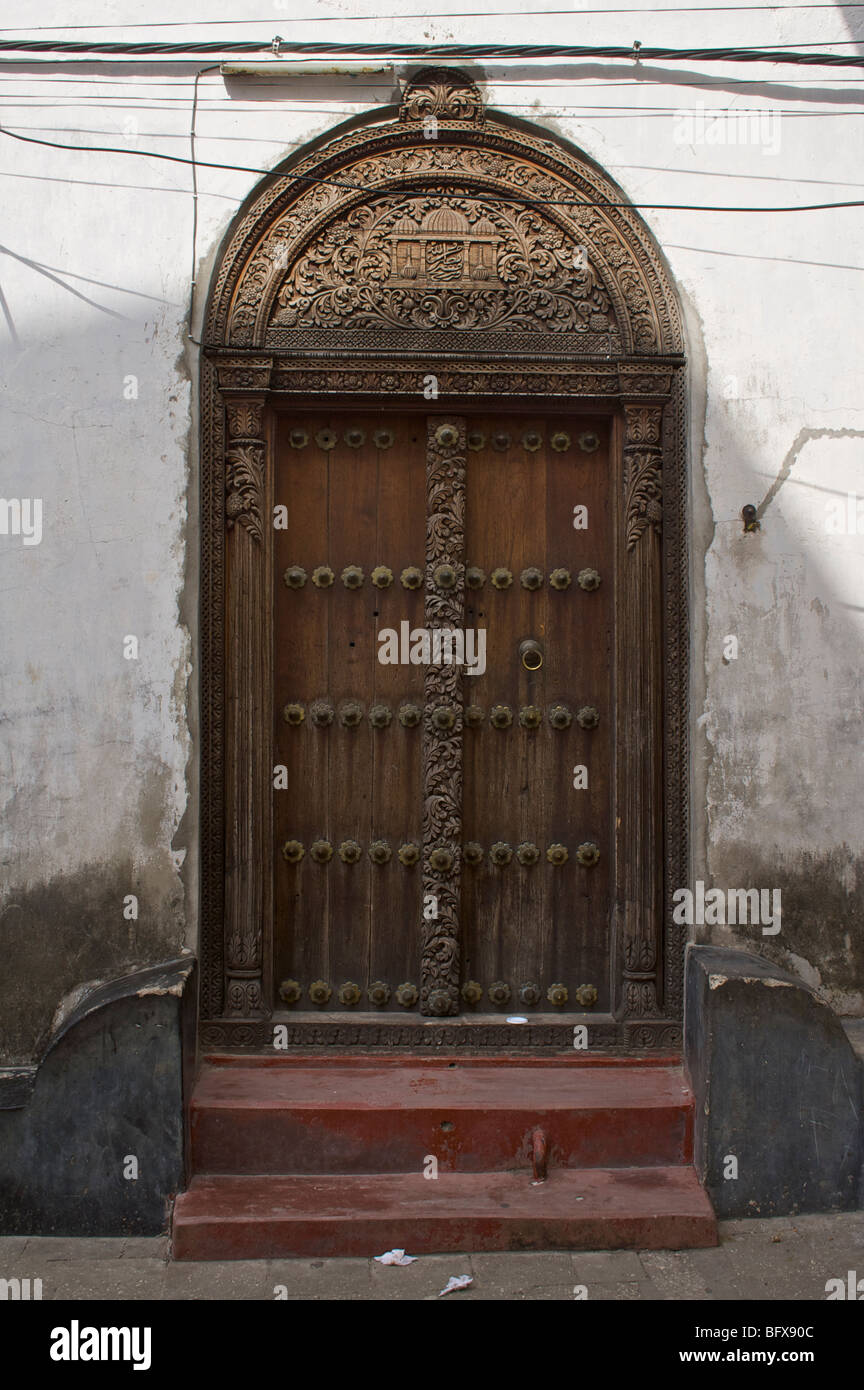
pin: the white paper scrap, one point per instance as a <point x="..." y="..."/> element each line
<point x="396" y="1257"/>
<point x="456" y="1281"/>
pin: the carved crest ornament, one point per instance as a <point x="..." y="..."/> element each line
<point x="440" y="237"/>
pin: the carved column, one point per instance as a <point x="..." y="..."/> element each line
<point x="640" y="761"/>
<point x="248" y="774"/>
<point x="442" y="722"/>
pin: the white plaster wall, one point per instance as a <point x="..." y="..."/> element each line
<point x="97" y="756"/>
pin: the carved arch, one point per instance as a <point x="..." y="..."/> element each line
<point x="544" y="223"/>
<point x="312" y="299"/>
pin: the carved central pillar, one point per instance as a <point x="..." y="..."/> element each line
<point x="442" y="721"/>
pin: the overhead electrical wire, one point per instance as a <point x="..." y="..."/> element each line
<point x="450" y="14"/>
<point x="457" y="51"/>
<point x="357" y="188"/>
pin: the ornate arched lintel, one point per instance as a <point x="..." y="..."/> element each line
<point x="533" y="240"/>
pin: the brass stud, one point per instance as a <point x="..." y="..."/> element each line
<point x="349" y="993"/>
<point x="443" y="717"/>
<point x="407" y="996"/>
<point x="499" y="992"/>
<point x="319" y="992"/>
<point x="501" y="717"/>
<point x="531" y="441"/>
<point x="349" y="851"/>
<point x="588" y="580"/>
<point x="380" y="852"/>
<point x="472" y="992"/>
<point x="560" y="442"/>
<point x="294" y="714"/>
<point x="379" y="994"/>
<point x="472" y="853"/>
<point x="445" y="577"/>
<point x="293" y="851"/>
<point x="326" y="440"/>
<point x="298" y="439"/>
<point x="475" y="578"/>
<point x="588" y="717"/>
<point x="294" y="577"/>
<point x="557" y="994"/>
<point x="474" y="716"/>
<point x="529" y="993"/>
<point x="441" y="859"/>
<point x="527" y="853"/>
<point x="589" y="443"/>
<point x="382" y="577"/>
<point x="289" y="991"/>
<point x="586" y="995"/>
<point x="350" y="714"/>
<point x="323" y="577"/>
<point x="476" y="441"/>
<point x="440" y="1001"/>
<point x="500" y="853"/>
<point x="530" y="717"/>
<point x="352" y="577"/>
<point x="447" y="436"/>
<point x="383" y="439"/>
<point x="557" y="855"/>
<point x="531" y="578"/>
<point x="588" y="854"/>
<point x="501" y="441"/>
<point x="410" y="716"/>
<point x="560" y="717"/>
<point x="380" y="717"/>
<point x="409" y="854"/>
<point x="501" y="579"/>
<point x="560" y="579"/>
<point x="411" y="578"/>
<point x="355" y="438"/>
<point x="321" y="714"/>
<point x="321" y="851"/>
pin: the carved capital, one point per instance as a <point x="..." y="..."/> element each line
<point x="245" y="418"/>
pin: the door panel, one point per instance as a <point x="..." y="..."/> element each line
<point x="350" y="504"/>
<point x="355" y="490"/>
<point x="539" y="924"/>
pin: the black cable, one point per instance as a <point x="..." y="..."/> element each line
<point x="358" y="188"/>
<point x="431" y="52"/>
<point x="451" y="14"/>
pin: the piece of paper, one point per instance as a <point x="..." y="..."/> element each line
<point x="396" y="1257"/>
<point x="456" y="1281"/>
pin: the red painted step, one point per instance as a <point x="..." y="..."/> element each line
<point x="598" y="1208"/>
<point x="336" y="1117"/>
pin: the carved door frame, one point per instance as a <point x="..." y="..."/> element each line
<point x="625" y="362"/>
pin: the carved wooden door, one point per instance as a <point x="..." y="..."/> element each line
<point x="443" y="660"/>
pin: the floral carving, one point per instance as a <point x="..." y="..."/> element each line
<point x="444" y="93"/>
<point x="442" y="260"/>
<point x="244" y="475"/>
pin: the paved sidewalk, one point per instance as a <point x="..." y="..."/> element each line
<point x="785" y="1258"/>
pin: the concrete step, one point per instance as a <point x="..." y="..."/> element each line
<point x="331" y="1118"/>
<point x="225" y="1218"/>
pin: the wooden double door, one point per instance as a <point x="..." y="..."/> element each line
<point x="444" y="731"/>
